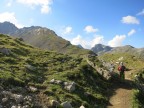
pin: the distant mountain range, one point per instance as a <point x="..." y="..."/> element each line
<point x="43" y="38"/>
<point x="102" y="49"/>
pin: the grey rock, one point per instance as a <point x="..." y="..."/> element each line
<point x="66" y="105"/>
<point x="70" y="87"/>
<point x="18" y="98"/>
<point x="33" y="89"/>
<point x="5" y="51"/>
<point x="54" y="103"/>
<point x="82" y="106"/>
<point x="4" y="100"/>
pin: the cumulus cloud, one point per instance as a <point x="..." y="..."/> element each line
<point x="90" y="29"/>
<point x="130" y="20"/>
<point x="141" y="13"/>
<point x="79" y="41"/>
<point x="97" y="40"/>
<point x="9" y="3"/>
<point x="131" y="32"/>
<point x="10" y="17"/>
<point x="44" y="4"/>
<point x="117" y="41"/>
<point x="67" y="30"/>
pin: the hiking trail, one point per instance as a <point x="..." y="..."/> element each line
<point x="122" y="94"/>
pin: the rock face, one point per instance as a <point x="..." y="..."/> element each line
<point x="41" y="37"/>
<point x="99" y="49"/>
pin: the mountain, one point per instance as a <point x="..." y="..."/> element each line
<point x="35" y="78"/>
<point x="7" y="28"/>
<point x="100" y="49"/>
<point x="43" y="38"/>
<point x="137" y="52"/>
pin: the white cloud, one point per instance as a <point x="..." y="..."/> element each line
<point x="97" y="40"/>
<point x="67" y="30"/>
<point x="10" y="16"/>
<point x="117" y="41"/>
<point x="131" y="32"/>
<point x="79" y="41"/>
<point x="90" y="29"/>
<point x="85" y="43"/>
<point x="141" y="13"/>
<point x="9" y="3"/>
<point x="130" y="20"/>
<point x="44" y="4"/>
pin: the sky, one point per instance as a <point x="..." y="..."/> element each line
<point x="85" y="22"/>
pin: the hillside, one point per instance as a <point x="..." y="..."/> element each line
<point x="100" y="49"/>
<point x="35" y="78"/>
<point x="43" y="38"/>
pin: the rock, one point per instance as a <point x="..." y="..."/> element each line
<point x="4" y="100"/>
<point x="28" y="98"/>
<point x="1" y="106"/>
<point x="82" y="106"/>
<point x="33" y="89"/>
<point x="31" y="68"/>
<point x="66" y="105"/>
<point x="58" y="82"/>
<point x="26" y="106"/>
<point x="70" y="87"/>
<point x="54" y="103"/>
<point x="18" y="98"/>
<point x="52" y="81"/>
<point x="14" y="106"/>
<point x="5" y="51"/>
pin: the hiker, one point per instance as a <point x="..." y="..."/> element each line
<point x="121" y="69"/>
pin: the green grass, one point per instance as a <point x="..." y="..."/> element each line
<point x="31" y="66"/>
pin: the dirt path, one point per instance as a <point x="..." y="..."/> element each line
<point x="122" y="96"/>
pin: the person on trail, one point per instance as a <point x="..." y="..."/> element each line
<point x="121" y="69"/>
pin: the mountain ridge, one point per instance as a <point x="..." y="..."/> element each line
<point x="43" y="38"/>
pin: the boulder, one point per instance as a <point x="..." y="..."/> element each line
<point x="33" y="89"/>
<point x="54" y="103"/>
<point x="82" y="106"/>
<point x="70" y="86"/>
<point x="5" y="51"/>
<point x="66" y="105"/>
<point x="18" y="98"/>
<point x="4" y="100"/>
<point x="31" y="68"/>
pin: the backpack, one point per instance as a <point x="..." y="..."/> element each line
<point x="121" y="68"/>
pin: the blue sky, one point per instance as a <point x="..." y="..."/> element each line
<point x="85" y="22"/>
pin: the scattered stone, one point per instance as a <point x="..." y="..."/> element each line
<point x="31" y="68"/>
<point x="52" y="81"/>
<point x="18" y="98"/>
<point x="4" y="100"/>
<point x="33" y="89"/>
<point x="66" y="105"/>
<point x="54" y="103"/>
<point x="5" y="51"/>
<point x="82" y="106"/>
<point x="70" y="86"/>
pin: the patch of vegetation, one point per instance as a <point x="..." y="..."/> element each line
<point x="28" y="66"/>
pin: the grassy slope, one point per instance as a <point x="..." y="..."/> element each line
<point x="47" y="66"/>
<point x="46" y="39"/>
<point x="135" y="64"/>
<point x="131" y="61"/>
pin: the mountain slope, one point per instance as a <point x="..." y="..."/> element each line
<point x="43" y="38"/>
<point x="100" y="49"/>
<point x="36" y="78"/>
